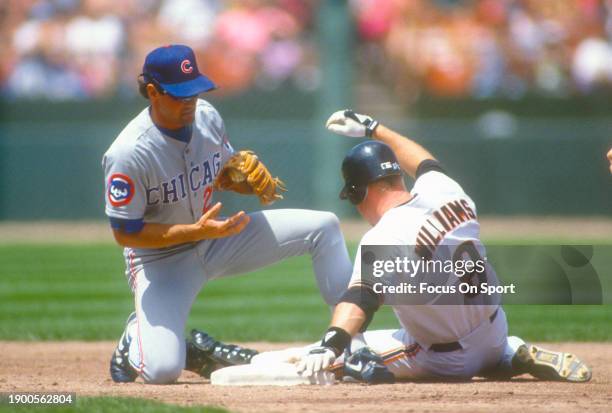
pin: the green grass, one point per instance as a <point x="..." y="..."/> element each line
<point x="112" y="405"/>
<point x="79" y="292"/>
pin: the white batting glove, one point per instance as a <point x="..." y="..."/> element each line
<point x="348" y="123"/>
<point x="318" y="359"/>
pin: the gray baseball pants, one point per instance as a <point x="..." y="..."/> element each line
<point x="165" y="288"/>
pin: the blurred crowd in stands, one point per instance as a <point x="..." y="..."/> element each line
<point x="488" y="48"/>
<point x="79" y="49"/>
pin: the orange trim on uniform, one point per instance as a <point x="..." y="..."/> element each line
<point x="395" y="358"/>
<point x="402" y="348"/>
<point x="408" y="352"/>
<point x="389" y="356"/>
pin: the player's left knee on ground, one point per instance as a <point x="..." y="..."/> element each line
<point x="162" y="371"/>
<point x="163" y="367"/>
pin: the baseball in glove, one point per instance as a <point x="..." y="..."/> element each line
<point x="246" y="174"/>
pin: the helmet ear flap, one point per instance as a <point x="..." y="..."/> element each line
<point x="356" y="194"/>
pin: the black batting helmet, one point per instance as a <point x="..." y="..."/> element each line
<point x="365" y="163"/>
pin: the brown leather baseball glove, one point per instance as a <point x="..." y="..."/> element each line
<point x="246" y="174"/>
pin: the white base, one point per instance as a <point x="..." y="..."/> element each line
<point x="272" y="374"/>
<point x="289" y="355"/>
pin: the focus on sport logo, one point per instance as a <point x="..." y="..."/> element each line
<point x="186" y="66"/>
<point x="120" y="190"/>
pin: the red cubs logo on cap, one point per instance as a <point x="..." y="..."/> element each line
<point x="120" y="190"/>
<point x="186" y="66"/>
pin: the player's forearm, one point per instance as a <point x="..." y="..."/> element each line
<point x="409" y="153"/>
<point x="349" y="317"/>
<point x="158" y="236"/>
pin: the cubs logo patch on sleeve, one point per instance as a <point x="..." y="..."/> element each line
<point x="120" y="190"/>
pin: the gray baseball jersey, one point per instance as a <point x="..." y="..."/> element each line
<point x="154" y="177"/>
<point x="166" y="177"/>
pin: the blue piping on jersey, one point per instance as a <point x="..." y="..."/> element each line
<point x="129" y="226"/>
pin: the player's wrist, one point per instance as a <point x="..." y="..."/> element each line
<point x="371" y="126"/>
<point x="192" y="232"/>
<point x="379" y="132"/>
<point x="336" y="339"/>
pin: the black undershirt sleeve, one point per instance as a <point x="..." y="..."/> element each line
<point x="429" y="165"/>
<point x="364" y="298"/>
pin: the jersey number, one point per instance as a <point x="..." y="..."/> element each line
<point x="473" y="278"/>
<point x="207" y="198"/>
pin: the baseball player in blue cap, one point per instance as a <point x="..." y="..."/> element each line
<point x="161" y="173"/>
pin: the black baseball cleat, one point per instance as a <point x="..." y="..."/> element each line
<point x="205" y="354"/>
<point x="550" y="365"/>
<point x="120" y="369"/>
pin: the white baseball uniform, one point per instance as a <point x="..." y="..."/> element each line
<point x="159" y="176"/>
<point x="440" y="213"/>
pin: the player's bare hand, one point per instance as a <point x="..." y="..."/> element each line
<point x="610" y="159"/>
<point x="318" y="359"/>
<point x="209" y="226"/>
<point x="348" y="123"/>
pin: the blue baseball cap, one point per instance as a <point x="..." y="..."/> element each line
<point x="175" y="69"/>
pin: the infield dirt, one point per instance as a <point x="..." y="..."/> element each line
<point x="82" y="367"/>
